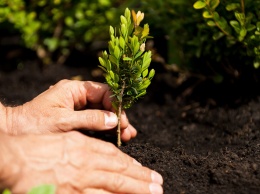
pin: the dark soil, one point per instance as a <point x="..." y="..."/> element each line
<point x="200" y="143"/>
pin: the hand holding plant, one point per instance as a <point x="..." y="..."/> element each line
<point x="126" y="65"/>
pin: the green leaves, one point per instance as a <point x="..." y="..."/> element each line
<point x="199" y="5"/>
<point x="243" y="28"/>
<point x="42" y="189"/>
<point x="126" y="65"/>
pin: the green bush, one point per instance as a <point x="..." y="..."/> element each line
<point x="220" y="41"/>
<point x="54" y="27"/>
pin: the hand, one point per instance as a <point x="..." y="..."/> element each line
<point x="74" y="163"/>
<point x="66" y="106"/>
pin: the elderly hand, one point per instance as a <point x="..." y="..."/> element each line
<point x="74" y="163"/>
<point x="66" y="106"/>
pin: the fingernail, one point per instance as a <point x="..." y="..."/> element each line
<point x="155" y="188"/>
<point x="137" y="163"/>
<point x="110" y="120"/>
<point x="156" y="177"/>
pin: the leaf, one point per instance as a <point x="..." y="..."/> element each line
<point x="43" y="189"/>
<point x="69" y="21"/>
<point x="250" y="27"/>
<point x="213" y="4"/>
<point x="258" y="26"/>
<point x="136" y="48"/>
<point x="145" y="84"/>
<point x="101" y="61"/>
<point x="241" y="18"/>
<point x="51" y="43"/>
<point x="111" y="74"/>
<point x="216" y="16"/>
<point x="146" y="64"/>
<point x="151" y="74"/>
<point x="199" y="5"/>
<point x="138" y="54"/>
<point x="141" y="94"/>
<point x="138" y="31"/>
<point x="218" y="35"/>
<point x="123" y="20"/>
<point x="127" y="15"/>
<point x="122" y="42"/>
<point x="123" y="30"/>
<point x="117" y="52"/>
<point x="207" y="15"/>
<point x="145" y="73"/>
<point x="235" y="25"/>
<point x="6" y="191"/>
<point x="116" y="78"/>
<point x="111" y="30"/>
<point x="256" y="64"/>
<point x="127" y="59"/>
<point x="243" y="32"/>
<point x="232" y="6"/>
<point x="113" y="60"/>
<point x="145" y="31"/>
<point x="211" y="23"/>
<point x="102" y="68"/>
<point x="223" y="23"/>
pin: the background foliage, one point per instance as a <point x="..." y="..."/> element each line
<point x="54" y="27"/>
<point x="193" y="45"/>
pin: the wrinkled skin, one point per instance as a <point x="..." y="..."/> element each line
<point x="74" y="163"/>
<point x="38" y="144"/>
<point x="62" y="108"/>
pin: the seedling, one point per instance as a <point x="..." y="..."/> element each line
<point x="126" y="65"/>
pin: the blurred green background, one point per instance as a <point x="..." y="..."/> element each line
<point x="187" y="41"/>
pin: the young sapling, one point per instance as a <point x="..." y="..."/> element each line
<point x="126" y="63"/>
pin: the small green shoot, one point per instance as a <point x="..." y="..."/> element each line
<point x="126" y="65"/>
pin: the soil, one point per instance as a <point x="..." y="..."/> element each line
<point x="204" y="142"/>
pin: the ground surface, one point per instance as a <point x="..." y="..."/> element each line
<point x="197" y="145"/>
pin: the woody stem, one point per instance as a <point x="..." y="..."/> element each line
<point x="119" y="112"/>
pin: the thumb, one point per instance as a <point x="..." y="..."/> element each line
<point x="93" y="119"/>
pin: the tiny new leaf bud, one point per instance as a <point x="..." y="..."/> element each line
<point x="123" y="20"/>
<point x="142" y="47"/>
<point x="111" y="31"/>
<point x="151" y="74"/>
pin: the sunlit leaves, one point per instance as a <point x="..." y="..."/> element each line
<point x="126" y="65"/>
<point x="199" y="5"/>
<point x="41" y="189"/>
<point x="243" y="27"/>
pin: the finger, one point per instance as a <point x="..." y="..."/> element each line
<point x="124" y="120"/>
<point x="116" y="182"/>
<point x="94" y="145"/>
<point x="125" y="135"/>
<point x="90" y="119"/>
<point x="98" y="93"/>
<point x="96" y="191"/>
<point x="132" y="130"/>
<point x="128" y="133"/>
<point x="122" y="166"/>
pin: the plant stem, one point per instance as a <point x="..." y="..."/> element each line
<point x="119" y="112"/>
<point x="243" y="6"/>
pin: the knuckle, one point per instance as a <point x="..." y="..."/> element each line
<point x="63" y="81"/>
<point x="117" y="182"/>
<point x="123" y="165"/>
<point x="111" y="149"/>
